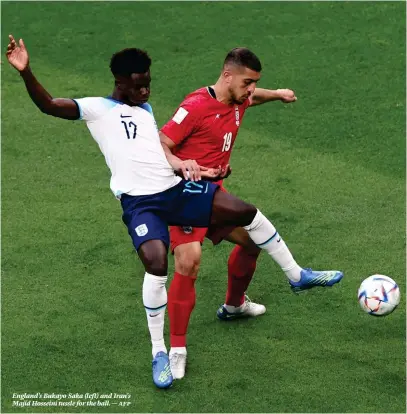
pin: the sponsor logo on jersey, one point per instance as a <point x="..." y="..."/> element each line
<point x="180" y="115"/>
<point x="141" y="230"/>
<point x="187" y="229"/>
<point x="237" y="115"/>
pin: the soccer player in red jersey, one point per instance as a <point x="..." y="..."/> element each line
<point x="204" y="128"/>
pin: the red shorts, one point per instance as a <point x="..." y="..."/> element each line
<point x="186" y="234"/>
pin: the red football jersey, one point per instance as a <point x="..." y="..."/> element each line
<point x="205" y="129"/>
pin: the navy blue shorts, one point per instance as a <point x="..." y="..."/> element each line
<point x="147" y="217"/>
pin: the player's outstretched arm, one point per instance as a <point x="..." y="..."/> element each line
<point x="17" y="56"/>
<point x="189" y="169"/>
<point x="261" y="96"/>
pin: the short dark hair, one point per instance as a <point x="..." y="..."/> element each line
<point x="129" y="61"/>
<point x="241" y="56"/>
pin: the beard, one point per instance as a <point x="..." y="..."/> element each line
<point x="237" y="99"/>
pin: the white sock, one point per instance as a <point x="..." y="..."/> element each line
<point x="233" y="309"/>
<point x="155" y="302"/>
<point x="265" y="235"/>
<point x="178" y="350"/>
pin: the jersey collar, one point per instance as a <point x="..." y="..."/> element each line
<point x="211" y="91"/>
<point x="114" y="100"/>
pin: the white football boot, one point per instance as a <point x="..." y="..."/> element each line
<point x="178" y="362"/>
<point x="248" y="309"/>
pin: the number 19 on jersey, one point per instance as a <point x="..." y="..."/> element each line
<point x="227" y="141"/>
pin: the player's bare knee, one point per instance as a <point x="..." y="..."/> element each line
<point x="154" y="258"/>
<point x="188" y="266"/>
<point x="246" y="213"/>
<point x="156" y="265"/>
<point x="187" y="260"/>
<point x="158" y="268"/>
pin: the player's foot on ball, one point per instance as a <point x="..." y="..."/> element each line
<point x="162" y="376"/>
<point x="178" y="362"/>
<point x="310" y="279"/>
<point x="248" y="309"/>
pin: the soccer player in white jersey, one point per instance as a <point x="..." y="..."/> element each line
<point x="151" y="195"/>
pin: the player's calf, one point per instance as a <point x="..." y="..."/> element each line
<point x="228" y="209"/>
<point x="264" y="234"/>
<point x="153" y="254"/>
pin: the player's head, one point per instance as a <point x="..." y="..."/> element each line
<point x="241" y="70"/>
<point x="131" y="71"/>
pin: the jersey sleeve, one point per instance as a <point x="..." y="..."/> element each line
<point x="182" y="124"/>
<point x="91" y="109"/>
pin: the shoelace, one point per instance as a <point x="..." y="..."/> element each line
<point x="248" y="302"/>
<point x="174" y="358"/>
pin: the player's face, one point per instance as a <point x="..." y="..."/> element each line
<point x="242" y="83"/>
<point x="136" y="88"/>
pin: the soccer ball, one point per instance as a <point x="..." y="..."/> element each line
<point x="379" y="295"/>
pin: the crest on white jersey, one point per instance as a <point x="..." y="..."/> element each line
<point x="237" y="115"/>
<point x="141" y="230"/>
<point x="180" y="115"/>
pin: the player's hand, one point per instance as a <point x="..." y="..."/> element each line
<point x="225" y="171"/>
<point x="190" y="170"/>
<point x="211" y="174"/>
<point x="287" y="95"/>
<point x="216" y="174"/>
<point x="17" y="55"/>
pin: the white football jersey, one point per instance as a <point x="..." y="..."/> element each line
<point x="129" y="140"/>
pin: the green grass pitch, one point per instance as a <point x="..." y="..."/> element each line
<point x="328" y="170"/>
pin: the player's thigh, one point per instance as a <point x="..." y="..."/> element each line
<point x="218" y="233"/>
<point x="228" y="209"/>
<point x="241" y="237"/>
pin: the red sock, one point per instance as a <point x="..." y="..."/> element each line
<point x="241" y="267"/>
<point x="181" y="302"/>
